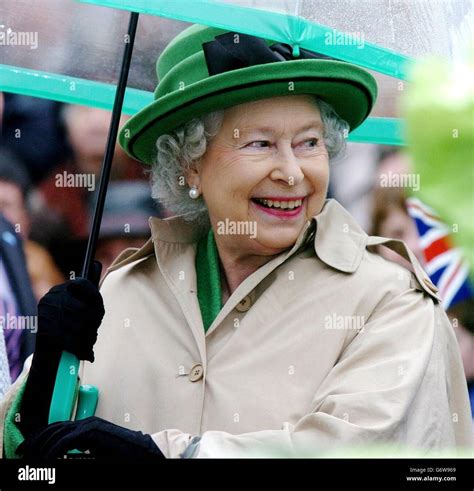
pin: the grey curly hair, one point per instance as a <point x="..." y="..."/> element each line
<point x="182" y="149"/>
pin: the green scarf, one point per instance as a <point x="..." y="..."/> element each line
<point x="208" y="279"/>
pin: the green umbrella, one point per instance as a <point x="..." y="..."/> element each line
<point x="79" y="46"/>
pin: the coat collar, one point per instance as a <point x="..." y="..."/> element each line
<point x="339" y="240"/>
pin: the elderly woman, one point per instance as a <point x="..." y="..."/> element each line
<point x="260" y="321"/>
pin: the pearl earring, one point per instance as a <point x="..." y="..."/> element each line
<point x="194" y="192"/>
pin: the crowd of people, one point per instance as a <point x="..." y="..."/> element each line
<point x="50" y="162"/>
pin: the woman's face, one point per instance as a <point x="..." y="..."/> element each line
<point x="269" y="150"/>
<point x="399" y="225"/>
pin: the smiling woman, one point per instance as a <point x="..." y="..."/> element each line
<point x="261" y="321"/>
<point x="182" y="149"/>
<point x="277" y="174"/>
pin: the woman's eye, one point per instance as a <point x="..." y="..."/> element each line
<point x="311" y="143"/>
<point x="259" y="144"/>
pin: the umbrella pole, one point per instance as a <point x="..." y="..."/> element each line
<point x="67" y="379"/>
<point x="110" y="147"/>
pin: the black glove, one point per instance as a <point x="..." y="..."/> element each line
<point x="69" y="316"/>
<point x="100" y="437"/>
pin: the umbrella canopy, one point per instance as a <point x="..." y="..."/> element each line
<point x="71" y="51"/>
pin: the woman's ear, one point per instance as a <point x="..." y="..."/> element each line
<point x="192" y="175"/>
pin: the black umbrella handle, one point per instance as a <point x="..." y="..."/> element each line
<point x="67" y="379"/>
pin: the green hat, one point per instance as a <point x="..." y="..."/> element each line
<point x="204" y="69"/>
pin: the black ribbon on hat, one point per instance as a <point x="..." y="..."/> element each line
<point x="232" y="50"/>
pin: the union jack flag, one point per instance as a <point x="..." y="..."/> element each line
<point x="444" y="262"/>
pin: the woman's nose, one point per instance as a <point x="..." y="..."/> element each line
<point x="287" y="167"/>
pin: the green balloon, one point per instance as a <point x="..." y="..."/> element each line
<point x="439" y="110"/>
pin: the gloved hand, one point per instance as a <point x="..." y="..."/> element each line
<point x="69" y="316"/>
<point x="102" y="438"/>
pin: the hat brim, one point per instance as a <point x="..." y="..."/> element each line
<point x="350" y="90"/>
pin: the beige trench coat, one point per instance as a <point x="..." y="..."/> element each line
<point x="326" y="345"/>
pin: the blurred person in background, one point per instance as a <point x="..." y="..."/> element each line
<point x="390" y="216"/>
<point x="355" y="193"/>
<point x="14" y="188"/>
<point x="16" y="297"/>
<point x="5" y="379"/>
<point x="128" y="207"/>
<point x="397" y="215"/>
<point x="17" y="301"/>
<point x="69" y="189"/>
<point x="64" y="200"/>
<point x="32" y="130"/>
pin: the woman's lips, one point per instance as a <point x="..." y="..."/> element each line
<point x="281" y="213"/>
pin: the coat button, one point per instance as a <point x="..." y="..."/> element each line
<point x="196" y="372"/>
<point x="244" y="304"/>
